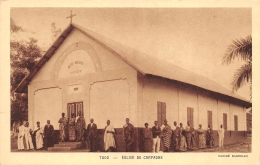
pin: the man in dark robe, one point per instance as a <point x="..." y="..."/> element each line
<point x="128" y="135"/>
<point x="48" y="134"/>
<point x="92" y="135"/>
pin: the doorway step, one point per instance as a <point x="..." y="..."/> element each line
<point x="66" y="146"/>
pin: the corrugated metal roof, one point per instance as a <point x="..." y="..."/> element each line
<point x="146" y="64"/>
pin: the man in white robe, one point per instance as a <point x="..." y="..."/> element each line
<point x="221" y="132"/>
<point x="109" y="141"/>
<point x="38" y="136"/>
<point x="21" y="136"/>
<point x="28" y="138"/>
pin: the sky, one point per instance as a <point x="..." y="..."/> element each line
<point x="195" y="39"/>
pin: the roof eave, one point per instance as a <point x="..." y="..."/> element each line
<point x="244" y="103"/>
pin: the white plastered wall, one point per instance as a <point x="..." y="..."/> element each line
<point x="113" y="68"/>
<point x="188" y="98"/>
<point x="206" y="104"/>
<point x="223" y="107"/>
<point x="177" y="100"/>
<point x="108" y="60"/>
<point x="155" y="90"/>
<point x="109" y="100"/>
<point x="47" y="106"/>
<point x="239" y="111"/>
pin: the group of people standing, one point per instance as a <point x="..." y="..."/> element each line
<point x="34" y="139"/>
<point x="74" y="129"/>
<point x="182" y="139"/>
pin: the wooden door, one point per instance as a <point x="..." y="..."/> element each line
<point x="75" y="108"/>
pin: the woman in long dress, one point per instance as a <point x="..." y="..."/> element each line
<point x="63" y="127"/>
<point x="183" y="144"/>
<point x="38" y="136"/>
<point x="80" y="127"/>
<point x="109" y="141"/>
<point x="72" y="133"/>
<point x="167" y="134"/>
<point x="202" y="140"/>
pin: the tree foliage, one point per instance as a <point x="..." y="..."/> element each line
<point x="23" y="56"/>
<point x="19" y="108"/>
<point x="241" y="50"/>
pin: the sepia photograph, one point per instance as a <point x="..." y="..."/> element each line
<point x="74" y="87"/>
<point x="131" y="82"/>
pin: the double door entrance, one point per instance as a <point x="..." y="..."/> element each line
<point x="75" y="108"/>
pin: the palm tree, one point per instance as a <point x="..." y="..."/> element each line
<point x="240" y="49"/>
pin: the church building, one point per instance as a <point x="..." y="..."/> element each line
<point x="85" y="72"/>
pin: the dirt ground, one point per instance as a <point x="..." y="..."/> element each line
<point x="239" y="148"/>
<point x="244" y="147"/>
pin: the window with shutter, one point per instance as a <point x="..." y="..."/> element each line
<point x="236" y="122"/>
<point x="190" y="116"/>
<point x="210" y="118"/>
<point x="225" y="121"/>
<point x="161" y="112"/>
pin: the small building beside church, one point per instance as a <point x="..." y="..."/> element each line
<point x="85" y="72"/>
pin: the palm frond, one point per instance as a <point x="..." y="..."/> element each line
<point x="240" y="49"/>
<point x="242" y="75"/>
